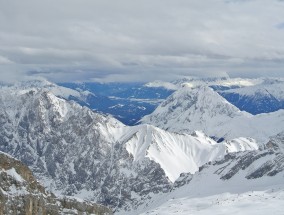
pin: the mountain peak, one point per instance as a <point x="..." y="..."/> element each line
<point x="191" y="108"/>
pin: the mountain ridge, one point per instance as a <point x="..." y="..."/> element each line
<point x="241" y="183"/>
<point x="201" y="108"/>
<point x="75" y="151"/>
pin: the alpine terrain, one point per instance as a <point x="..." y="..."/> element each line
<point x="74" y="151"/>
<point x="240" y="183"/>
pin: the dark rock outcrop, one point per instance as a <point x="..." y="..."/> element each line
<point x="20" y="193"/>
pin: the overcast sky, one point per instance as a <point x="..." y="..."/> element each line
<point x="140" y="40"/>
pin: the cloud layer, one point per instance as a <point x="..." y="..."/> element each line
<point x="139" y="40"/>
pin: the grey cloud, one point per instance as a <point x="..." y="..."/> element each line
<point x="140" y="40"/>
<point x="280" y="25"/>
<point x="4" y="60"/>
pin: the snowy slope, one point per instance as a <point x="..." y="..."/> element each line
<point x="201" y="108"/>
<point x="178" y="153"/>
<point x="241" y="183"/>
<point x="269" y="200"/>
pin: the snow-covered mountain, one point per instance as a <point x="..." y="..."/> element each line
<point x="79" y="96"/>
<point x="75" y="151"/>
<point x="240" y="183"/>
<point x="179" y="153"/>
<point x="256" y="96"/>
<point x="129" y="102"/>
<point x="201" y="108"/>
<point x="218" y="82"/>
<point x="261" y="98"/>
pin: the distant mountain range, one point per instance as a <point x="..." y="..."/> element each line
<point x="129" y="102"/>
<point x="262" y="98"/>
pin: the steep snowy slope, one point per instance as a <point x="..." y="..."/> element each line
<point x="241" y="183"/>
<point x="201" y="108"/>
<point x="179" y="153"/>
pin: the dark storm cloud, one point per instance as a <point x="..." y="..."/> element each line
<point x="140" y="40"/>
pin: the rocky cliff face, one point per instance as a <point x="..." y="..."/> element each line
<point x="20" y="193"/>
<point x="75" y="151"/>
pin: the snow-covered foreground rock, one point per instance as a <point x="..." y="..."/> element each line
<point x="201" y="108"/>
<point x="241" y="183"/>
<point x="75" y="151"/>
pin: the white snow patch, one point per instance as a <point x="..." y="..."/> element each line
<point x="13" y="173"/>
